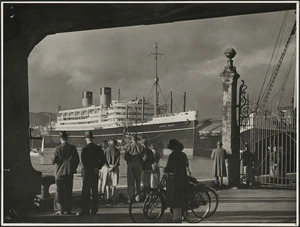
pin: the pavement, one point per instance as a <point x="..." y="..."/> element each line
<point x="237" y="206"/>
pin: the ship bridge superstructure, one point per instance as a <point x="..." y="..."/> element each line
<point x="114" y="114"/>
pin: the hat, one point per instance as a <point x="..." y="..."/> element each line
<point x="135" y="138"/>
<point x="63" y="134"/>
<point x="219" y="143"/>
<point x="88" y="134"/>
<point x="153" y="146"/>
<point x="175" y="145"/>
<point x="144" y="141"/>
<point x="112" y="142"/>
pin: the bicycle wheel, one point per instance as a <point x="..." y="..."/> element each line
<point x="214" y="201"/>
<point x="146" y="206"/>
<point x="198" y="206"/>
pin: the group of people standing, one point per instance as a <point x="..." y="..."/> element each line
<point x="142" y="165"/>
<point x="102" y="162"/>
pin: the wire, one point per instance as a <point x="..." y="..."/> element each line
<point x="276" y="44"/>
<point x="286" y="77"/>
<point x="162" y="94"/>
<point x="272" y="37"/>
<point x="176" y="107"/>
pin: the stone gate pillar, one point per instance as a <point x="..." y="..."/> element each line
<point x="230" y="130"/>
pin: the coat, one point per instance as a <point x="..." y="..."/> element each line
<point x="66" y="160"/>
<point x="148" y="159"/>
<point x="219" y="167"/>
<point x="176" y="184"/>
<point x="92" y="157"/>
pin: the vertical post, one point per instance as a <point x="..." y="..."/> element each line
<point x="157" y="103"/>
<point x="156" y="79"/>
<point x="184" y="101"/>
<point x="143" y="108"/>
<point x="171" y="103"/>
<point x="119" y="95"/>
<point x="230" y="129"/>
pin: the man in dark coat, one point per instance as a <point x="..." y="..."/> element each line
<point x="92" y="159"/>
<point x="133" y="155"/>
<point x="219" y="166"/>
<point x="66" y="160"/>
<point x="176" y="182"/>
<point x="148" y="160"/>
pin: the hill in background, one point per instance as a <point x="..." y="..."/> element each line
<point x="41" y="118"/>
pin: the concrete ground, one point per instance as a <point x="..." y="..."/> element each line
<point x="238" y="206"/>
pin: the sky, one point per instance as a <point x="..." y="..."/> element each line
<point x="64" y="65"/>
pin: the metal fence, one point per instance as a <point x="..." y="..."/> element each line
<point x="272" y="144"/>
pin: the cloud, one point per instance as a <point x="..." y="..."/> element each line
<point x="64" y="65"/>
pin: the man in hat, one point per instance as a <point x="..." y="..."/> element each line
<point x="66" y="160"/>
<point x="92" y="159"/>
<point x="155" y="175"/>
<point x="148" y="160"/>
<point x="134" y="153"/>
<point x="219" y="167"/>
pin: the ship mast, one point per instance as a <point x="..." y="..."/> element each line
<point x="156" y="80"/>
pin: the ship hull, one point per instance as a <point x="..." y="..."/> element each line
<point x="160" y="134"/>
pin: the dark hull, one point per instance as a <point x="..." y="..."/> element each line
<point x="159" y="134"/>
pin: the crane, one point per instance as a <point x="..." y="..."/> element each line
<point x="269" y="88"/>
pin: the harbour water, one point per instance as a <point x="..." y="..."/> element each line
<point x="199" y="166"/>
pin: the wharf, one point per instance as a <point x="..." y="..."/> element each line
<point x="238" y="206"/>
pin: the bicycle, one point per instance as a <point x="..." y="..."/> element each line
<point x="213" y="194"/>
<point x="149" y="204"/>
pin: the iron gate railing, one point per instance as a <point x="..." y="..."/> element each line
<point x="271" y="140"/>
<point x="272" y="143"/>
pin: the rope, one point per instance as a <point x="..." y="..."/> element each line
<point x="276" y="44"/>
<point x="162" y="95"/>
<point x="286" y="77"/>
<point x="272" y="37"/>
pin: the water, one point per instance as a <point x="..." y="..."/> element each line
<point x="199" y="166"/>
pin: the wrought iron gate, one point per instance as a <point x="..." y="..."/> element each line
<point x="272" y="143"/>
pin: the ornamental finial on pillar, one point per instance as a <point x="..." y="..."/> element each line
<point x="230" y="53"/>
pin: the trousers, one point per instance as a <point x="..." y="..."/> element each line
<point x="63" y="194"/>
<point x="90" y="183"/>
<point x="134" y="172"/>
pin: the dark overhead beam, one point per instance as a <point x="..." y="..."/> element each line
<point x="54" y="18"/>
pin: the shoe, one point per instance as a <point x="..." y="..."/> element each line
<point x="58" y="213"/>
<point x="82" y="214"/>
<point x="101" y="195"/>
<point x="69" y="213"/>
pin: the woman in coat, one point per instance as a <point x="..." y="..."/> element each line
<point x="219" y="167"/>
<point x="176" y="182"/>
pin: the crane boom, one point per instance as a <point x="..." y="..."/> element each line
<point x="275" y="73"/>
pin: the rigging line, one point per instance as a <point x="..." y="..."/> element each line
<point x="277" y="47"/>
<point x="176" y="107"/>
<point x="272" y="37"/>
<point x="275" y="65"/>
<point x="288" y="72"/>
<point x="286" y="77"/>
<point x="280" y="42"/>
<point x="149" y="96"/>
<point x="162" y="94"/>
<point x="258" y="99"/>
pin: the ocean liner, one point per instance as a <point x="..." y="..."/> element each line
<point x="118" y="118"/>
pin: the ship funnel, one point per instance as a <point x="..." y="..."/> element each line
<point x="87" y="98"/>
<point x="105" y="96"/>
